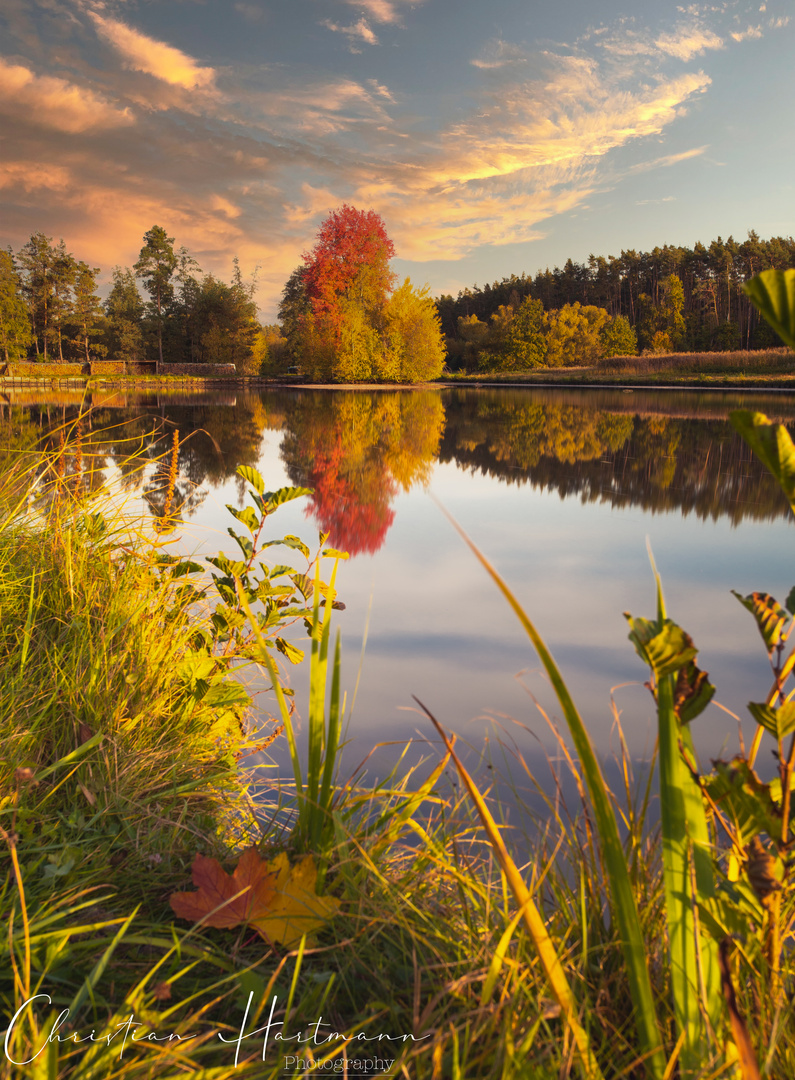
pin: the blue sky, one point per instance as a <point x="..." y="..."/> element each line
<point x="493" y="139"/>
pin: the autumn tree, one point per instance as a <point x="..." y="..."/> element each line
<point x="573" y="335"/>
<point x="339" y="316"/>
<point x="349" y="262"/>
<point x="15" y="332"/>
<point x="156" y="265"/>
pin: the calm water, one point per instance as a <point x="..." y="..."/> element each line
<point x="560" y="488"/>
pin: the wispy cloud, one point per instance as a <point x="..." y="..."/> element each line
<point x="688" y="41"/>
<point x="142" y="53"/>
<point x="499" y="54"/>
<point x="670" y="159"/>
<point x="53" y="102"/>
<point x="383" y="11"/>
<point x="359" y="31"/>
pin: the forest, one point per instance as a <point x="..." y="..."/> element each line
<point x="670" y="299"/>
<point x="344" y="319"/>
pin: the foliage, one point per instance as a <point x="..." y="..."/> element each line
<point x="15" y="333"/>
<point x="125" y="309"/>
<point x="338" y="317"/>
<point x="712" y="311"/>
<point x="412" y="348"/>
<point x="278" y="900"/>
<point x="618" y="338"/>
<point x="574" y="335"/>
<point x="349" y="262"/>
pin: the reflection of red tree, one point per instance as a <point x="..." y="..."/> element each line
<point x="352" y="507"/>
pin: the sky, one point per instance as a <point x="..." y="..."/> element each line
<point x="493" y="138"/>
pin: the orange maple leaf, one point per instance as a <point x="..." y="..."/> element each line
<point x="278" y="900"/>
<point x="217" y="888"/>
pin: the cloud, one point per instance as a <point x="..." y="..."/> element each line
<point x="688" y="41"/>
<point x="50" y="101"/>
<point x="751" y="32"/>
<point x="498" y="54"/>
<point x="356" y="31"/>
<point x="382" y="11"/>
<point x="142" y="53"/>
<point x="670" y="159"/>
<point x="532" y="149"/>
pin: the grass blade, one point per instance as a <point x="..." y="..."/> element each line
<point x="533" y="920"/>
<point x="624" y="907"/>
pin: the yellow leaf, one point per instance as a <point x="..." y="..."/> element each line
<point x="296" y="909"/>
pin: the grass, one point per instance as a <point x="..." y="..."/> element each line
<point x="768" y="367"/>
<point x="120" y="765"/>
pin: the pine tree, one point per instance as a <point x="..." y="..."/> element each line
<point x="156" y="265"/>
<point x="15" y="332"/>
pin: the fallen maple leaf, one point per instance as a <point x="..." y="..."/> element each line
<point x="297" y="909"/>
<point x="277" y="899"/>
<point x="216" y="889"/>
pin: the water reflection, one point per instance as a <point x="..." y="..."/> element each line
<point x="357" y="450"/>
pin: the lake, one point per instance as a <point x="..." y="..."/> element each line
<point x="560" y="488"/>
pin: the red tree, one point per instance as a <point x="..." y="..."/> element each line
<point x="350" y="260"/>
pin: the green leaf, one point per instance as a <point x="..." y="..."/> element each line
<point x="770" y="616"/>
<point x="293" y="654"/>
<point x="772" y="445"/>
<point x="692" y="693"/>
<point x="773" y="293"/>
<point x="741" y="795"/>
<point x="252" y="477"/>
<point x="789" y="603"/>
<point x="779" y="722"/>
<point x="226" y="693"/>
<point x="283" y="495"/>
<point x="247" y="516"/>
<point x="243" y="542"/>
<point x="291" y="542"/>
<point x="666" y="650"/>
<point x="187" y="566"/>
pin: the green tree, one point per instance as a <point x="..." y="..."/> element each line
<point x="672" y="308"/>
<point x="618" y="338"/>
<point x="15" y="332"/>
<point x="526" y="342"/>
<point x="87" y="308"/>
<point x="125" y="310"/>
<point x="37" y="260"/>
<point x="225" y="322"/>
<point x="574" y="335"/>
<point x="156" y="265"/>
<point x="64" y="276"/>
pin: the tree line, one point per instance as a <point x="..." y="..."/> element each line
<point x="50" y="309"/>
<point x="670" y="299"/>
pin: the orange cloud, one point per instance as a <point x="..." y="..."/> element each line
<point x="53" y="102"/>
<point x="687" y="42"/>
<point x="142" y="53"/>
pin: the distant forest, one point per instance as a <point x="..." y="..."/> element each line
<point x="669" y="299"/>
<point x="672" y="298"/>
